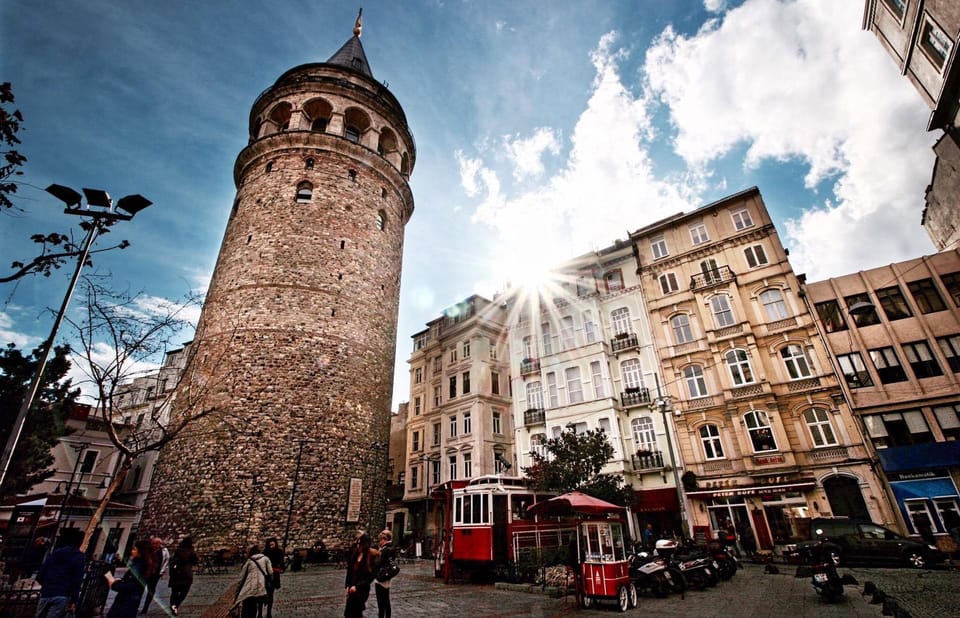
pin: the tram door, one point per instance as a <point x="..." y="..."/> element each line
<point x="500" y="540"/>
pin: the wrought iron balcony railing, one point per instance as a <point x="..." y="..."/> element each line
<point x="647" y="460"/>
<point x="634" y="397"/>
<point x="624" y="341"/>
<point x="529" y="365"/>
<point x="710" y="278"/>
<point x="533" y="416"/>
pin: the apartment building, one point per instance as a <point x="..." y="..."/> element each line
<point x="582" y="357"/>
<point x="894" y="334"/>
<point x="765" y="435"/>
<point x="458" y="422"/>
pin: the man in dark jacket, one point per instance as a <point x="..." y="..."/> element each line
<point x="60" y="576"/>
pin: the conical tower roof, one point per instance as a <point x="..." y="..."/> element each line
<point x="351" y="55"/>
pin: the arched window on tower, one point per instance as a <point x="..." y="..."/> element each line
<point x="308" y="163"/>
<point x="280" y="115"/>
<point x="387" y="142"/>
<point x="304" y="193"/>
<point x="404" y="165"/>
<point x="318" y="111"/>
<point x="381" y="220"/>
<point x="355" y="124"/>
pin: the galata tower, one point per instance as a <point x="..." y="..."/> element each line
<point x="294" y="351"/>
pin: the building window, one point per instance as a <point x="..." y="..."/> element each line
<point x="567" y="337"/>
<point x="416" y="406"/>
<point x="698" y="233"/>
<point x="888" y="366"/>
<point x="898" y="428"/>
<point x="682" y="333"/>
<point x="585" y="285"/>
<point x="453" y="355"/>
<point x="465" y="382"/>
<point x="437" y="365"/>
<point x="756" y="256"/>
<point x="921" y="360"/>
<point x="453" y="426"/>
<point x="621" y="321"/>
<point x="465" y="348"/>
<point x="415" y="441"/>
<point x="853" y="369"/>
<point x="950" y="346"/>
<point x="741" y="219"/>
<point x="589" y="328"/>
<point x="437" y="433"/>
<point x="696" y="385"/>
<point x="436" y="397"/>
<point x="497" y="426"/>
<point x="574" y="385"/>
<point x="722" y="313"/>
<point x="538" y="444"/>
<point x="597" y="379"/>
<point x="304" y="192"/>
<point x="89" y="461"/>
<point x="821" y="431"/>
<point x="414" y="477"/>
<point x="774" y="305"/>
<point x="935" y="43"/>
<point x="494" y="383"/>
<point x="613" y="281"/>
<point x="493" y="349"/>
<point x="710" y="438"/>
<point x="553" y="395"/>
<point x="632" y="373"/>
<point x="866" y="314"/>
<point x="644" y="434"/>
<point x="467" y="423"/>
<point x="795" y="359"/>
<point x="948" y="417"/>
<point x="381" y="221"/>
<point x="761" y="435"/>
<point x="926" y="296"/>
<point x="710" y="270"/>
<point x="668" y="283"/>
<point x="897" y="7"/>
<point x="467" y="465"/>
<point x="739" y="366"/>
<point x="893" y="303"/>
<point x="830" y="316"/>
<point x="527" y="345"/>
<point x="534" y="396"/>
<point x="352" y="133"/>
<point x="453" y="386"/>
<point x="951" y="282"/>
<point x="308" y="163"/>
<point x="435" y="471"/>
<point x="546" y="338"/>
<point x="658" y="247"/>
<point x="453" y="467"/>
<point x="418" y="375"/>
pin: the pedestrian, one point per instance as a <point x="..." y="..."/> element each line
<point x="60" y="576"/>
<point x="729" y="534"/>
<point x="922" y="525"/>
<point x="141" y="567"/>
<point x="648" y="540"/>
<point x="747" y="538"/>
<point x="161" y="557"/>
<point x="34" y="555"/>
<point x="382" y="580"/>
<point x="255" y="582"/>
<point x="181" y="573"/>
<point x="360" y="572"/>
<point x="273" y="551"/>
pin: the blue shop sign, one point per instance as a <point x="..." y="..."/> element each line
<point x="927" y="488"/>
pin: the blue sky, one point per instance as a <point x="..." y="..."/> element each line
<point x="544" y="130"/>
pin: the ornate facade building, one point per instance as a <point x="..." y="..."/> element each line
<point x="295" y="345"/>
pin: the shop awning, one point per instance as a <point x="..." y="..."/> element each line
<point x="754" y="490"/>
<point x="926" y="488"/>
<point x="655" y="500"/>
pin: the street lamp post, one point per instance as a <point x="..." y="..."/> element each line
<point x="663" y="404"/>
<point x="101" y="210"/>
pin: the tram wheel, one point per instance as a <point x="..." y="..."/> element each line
<point x="586" y="601"/>
<point x="623" y="599"/>
<point x="632" y="594"/>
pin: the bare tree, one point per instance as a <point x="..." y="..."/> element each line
<point x="121" y="337"/>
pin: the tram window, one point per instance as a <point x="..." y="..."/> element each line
<point x="472" y="509"/>
<point x="467" y="510"/>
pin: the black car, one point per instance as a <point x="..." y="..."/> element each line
<point x="857" y="540"/>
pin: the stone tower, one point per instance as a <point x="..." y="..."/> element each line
<point x="295" y="346"/>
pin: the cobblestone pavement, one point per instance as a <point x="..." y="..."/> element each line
<point x="318" y="592"/>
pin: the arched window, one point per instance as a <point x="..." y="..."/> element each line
<point x="621" y="321"/>
<point x="527" y="347"/>
<point x="681" y="329"/>
<point x="308" y="163"/>
<point x="387" y="142"/>
<point x="710" y="439"/>
<point x="404" y="165"/>
<point x="796" y="361"/>
<point x="821" y="430"/>
<point x="318" y="111"/>
<point x="761" y="435"/>
<point x="534" y="396"/>
<point x="280" y="115"/>
<point x="773" y="304"/>
<point x="304" y="192"/>
<point x="538" y="444"/>
<point x="355" y="124"/>
<point x="696" y="385"/>
<point x="722" y="313"/>
<point x="269" y="167"/>
<point x="739" y="366"/>
<point x="644" y="435"/>
<point x="381" y="221"/>
<point x="547" y="338"/>
<point x="632" y="373"/>
<point x="614" y="281"/>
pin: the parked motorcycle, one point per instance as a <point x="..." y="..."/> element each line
<point x="822" y="569"/>
<point x="693" y="572"/>
<point x="726" y="562"/>
<point x="649" y="574"/>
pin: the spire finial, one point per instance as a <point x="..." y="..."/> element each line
<point x="358" y="26"/>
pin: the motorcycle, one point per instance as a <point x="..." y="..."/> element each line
<point x="649" y="574"/>
<point x="822" y="569"/>
<point x="725" y="562"/>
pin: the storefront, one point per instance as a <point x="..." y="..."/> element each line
<point x="659" y="507"/>
<point x="923" y="486"/>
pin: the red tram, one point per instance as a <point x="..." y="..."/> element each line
<point x="483" y="526"/>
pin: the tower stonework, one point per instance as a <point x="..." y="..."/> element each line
<point x="296" y="341"/>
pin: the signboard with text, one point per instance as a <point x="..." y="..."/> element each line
<point x="354" y="498"/>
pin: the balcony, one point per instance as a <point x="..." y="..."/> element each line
<point x="624" y="341"/>
<point x="835" y="453"/>
<point x="529" y="365"/>
<point x="647" y="460"/>
<point x="712" y="278"/>
<point x="533" y="416"/>
<point x="635" y="397"/>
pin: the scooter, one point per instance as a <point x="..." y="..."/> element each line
<point x="649" y="574"/>
<point x="822" y="569"/>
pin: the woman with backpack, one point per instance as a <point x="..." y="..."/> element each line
<point x="256" y="582"/>
<point x="386" y="571"/>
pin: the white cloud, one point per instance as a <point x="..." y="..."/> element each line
<point x="715" y="6"/>
<point x="8" y="335"/>
<point x="527" y="153"/>
<point x="799" y="80"/>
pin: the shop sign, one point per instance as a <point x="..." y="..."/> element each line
<point x="916" y="476"/>
<point x="768" y="459"/>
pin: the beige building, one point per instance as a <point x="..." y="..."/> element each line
<point x="764" y="432"/>
<point x="922" y="38"/>
<point x="458" y="422"/>
<point x="894" y="334"/>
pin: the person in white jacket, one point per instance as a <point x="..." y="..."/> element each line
<point x="162" y="560"/>
<point x="254" y="576"/>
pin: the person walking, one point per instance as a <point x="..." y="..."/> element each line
<point x="255" y="582"/>
<point x="648" y="540"/>
<point x="360" y="573"/>
<point x="381" y="581"/>
<point x="747" y="538"/>
<point x="181" y="573"/>
<point x="276" y="554"/>
<point x="129" y="588"/>
<point x="61" y="575"/>
<point x="161" y="557"/>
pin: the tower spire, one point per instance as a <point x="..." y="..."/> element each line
<point x="358" y="25"/>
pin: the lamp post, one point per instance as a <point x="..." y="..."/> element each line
<point x="102" y="212"/>
<point x="663" y="404"/>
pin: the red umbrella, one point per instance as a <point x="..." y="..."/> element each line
<point x="574" y="502"/>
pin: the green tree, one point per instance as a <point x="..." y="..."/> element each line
<point x="45" y="422"/>
<point x="573" y="461"/>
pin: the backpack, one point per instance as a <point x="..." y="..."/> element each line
<point x="268" y="579"/>
<point x="388" y="570"/>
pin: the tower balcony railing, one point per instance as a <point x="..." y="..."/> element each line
<point x="534" y="416"/>
<point x="624" y="341"/>
<point x="529" y="365"/>
<point x="635" y="397"/>
<point x="711" y="278"/>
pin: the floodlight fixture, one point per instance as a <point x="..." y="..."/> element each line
<point x="65" y="194"/>
<point x="98" y="197"/>
<point x="133" y="204"/>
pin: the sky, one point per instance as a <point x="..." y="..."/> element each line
<point x="544" y="130"/>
